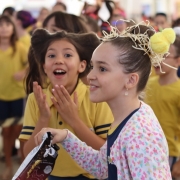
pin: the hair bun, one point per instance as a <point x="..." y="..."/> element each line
<point x="161" y="41"/>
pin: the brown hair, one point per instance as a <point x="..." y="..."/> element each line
<point x="13" y="38"/>
<point x="85" y="44"/>
<point x="134" y="60"/>
<point x="67" y="22"/>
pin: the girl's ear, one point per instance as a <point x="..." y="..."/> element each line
<point x="132" y="80"/>
<point x="82" y="66"/>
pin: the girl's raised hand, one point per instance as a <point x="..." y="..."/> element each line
<point x="58" y="135"/>
<point x="44" y="109"/>
<point x="66" y="107"/>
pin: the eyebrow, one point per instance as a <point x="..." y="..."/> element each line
<point x="63" y="49"/>
<point x="101" y="62"/>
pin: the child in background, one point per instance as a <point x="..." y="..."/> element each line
<point x="43" y="13"/>
<point x="64" y="58"/>
<point x="161" y="21"/>
<point x="59" y="6"/>
<point x="59" y="21"/>
<point x="136" y="147"/>
<point x="13" y="62"/>
<point x="24" y="20"/>
<point x="162" y="94"/>
<point x="8" y="11"/>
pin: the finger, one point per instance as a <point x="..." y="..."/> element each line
<point x="39" y="136"/>
<point x="37" y="139"/>
<point x="58" y="95"/>
<point x="66" y="94"/>
<point x="36" y="90"/>
<point x="55" y="103"/>
<point x="75" y="98"/>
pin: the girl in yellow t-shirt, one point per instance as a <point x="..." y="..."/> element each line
<point x="162" y="94"/>
<point x="13" y="58"/>
<point x="64" y="58"/>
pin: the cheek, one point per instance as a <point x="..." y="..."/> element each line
<point x="45" y="67"/>
<point x="11" y="30"/>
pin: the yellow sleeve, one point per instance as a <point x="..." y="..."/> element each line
<point x="103" y="119"/>
<point x="30" y="118"/>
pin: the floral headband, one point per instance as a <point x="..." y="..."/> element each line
<point x="156" y="47"/>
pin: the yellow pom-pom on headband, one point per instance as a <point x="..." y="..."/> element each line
<point x="161" y="41"/>
<point x="156" y="47"/>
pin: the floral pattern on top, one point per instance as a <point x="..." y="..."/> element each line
<point x="140" y="151"/>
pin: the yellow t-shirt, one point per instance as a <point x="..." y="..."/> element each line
<point x="10" y="63"/>
<point x="153" y="73"/>
<point x="97" y="117"/>
<point x="26" y="40"/>
<point x="165" y="102"/>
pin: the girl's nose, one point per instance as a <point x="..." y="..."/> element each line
<point x="91" y="76"/>
<point x="59" y="60"/>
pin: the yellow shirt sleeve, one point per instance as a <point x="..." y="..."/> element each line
<point x="30" y="118"/>
<point x="103" y="119"/>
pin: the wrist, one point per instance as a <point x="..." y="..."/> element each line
<point x="74" y="124"/>
<point x="64" y="134"/>
<point x="44" y="120"/>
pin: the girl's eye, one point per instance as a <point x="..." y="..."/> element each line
<point x="67" y="55"/>
<point x="102" y="69"/>
<point x="51" y="56"/>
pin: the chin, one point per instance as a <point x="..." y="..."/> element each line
<point x="96" y="100"/>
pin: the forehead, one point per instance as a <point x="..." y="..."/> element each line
<point x="51" y="21"/>
<point x="106" y="52"/>
<point x="62" y="43"/>
<point x="160" y="18"/>
<point x="4" y="21"/>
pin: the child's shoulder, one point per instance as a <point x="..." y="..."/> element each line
<point x="153" y="79"/>
<point x="20" y="46"/>
<point x="143" y="120"/>
<point x="143" y="127"/>
<point x="31" y="96"/>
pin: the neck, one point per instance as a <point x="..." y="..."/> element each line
<point x="4" y="43"/>
<point x="122" y="107"/>
<point x="168" y="78"/>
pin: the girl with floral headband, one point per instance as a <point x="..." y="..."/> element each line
<point x="136" y="147"/>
